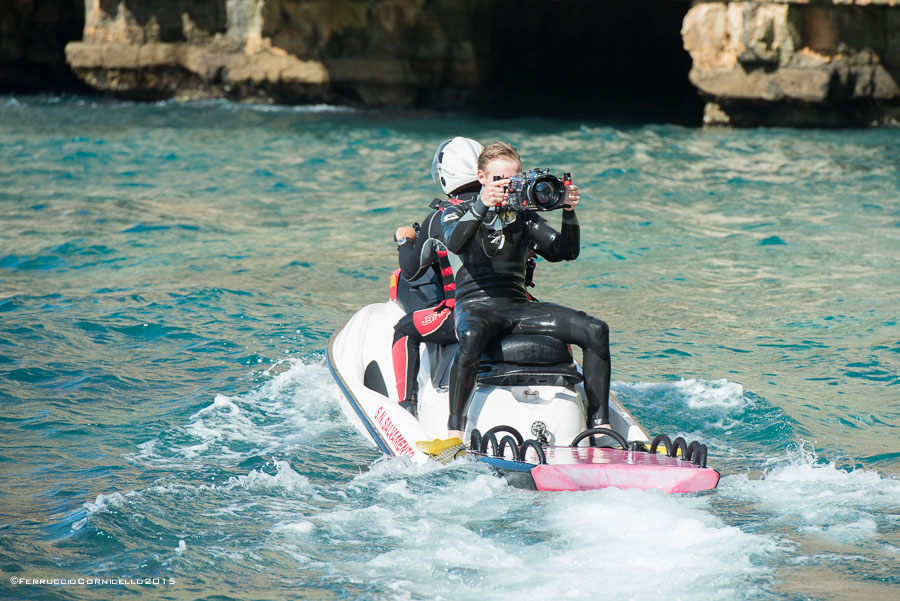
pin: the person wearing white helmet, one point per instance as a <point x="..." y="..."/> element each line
<point x="454" y="168"/>
<point x="455" y="164"/>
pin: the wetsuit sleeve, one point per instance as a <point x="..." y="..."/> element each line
<point x="409" y="258"/>
<point x="552" y="245"/>
<point x="460" y="223"/>
<point x="416" y="258"/>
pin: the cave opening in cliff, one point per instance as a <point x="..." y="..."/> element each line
<point x="32" y="50"/>
<point x="618" y="59"/>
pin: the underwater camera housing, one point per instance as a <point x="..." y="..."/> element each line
<point x="537" y="190"/>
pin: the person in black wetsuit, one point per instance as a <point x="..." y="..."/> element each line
<point x="488" y="254"/>
<point x="454" y="168"/>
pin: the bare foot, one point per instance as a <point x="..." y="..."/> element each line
<point x="457" y="433"/>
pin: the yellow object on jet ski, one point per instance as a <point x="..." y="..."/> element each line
<point x="444" y="451"/>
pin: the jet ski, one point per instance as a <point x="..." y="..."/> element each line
<point x="527" y="384"/>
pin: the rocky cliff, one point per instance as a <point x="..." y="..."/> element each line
<point x="479" y="53"/>
<point x="363" y="51"/>
<point x="772" y="62"/>
<point x="794" y="62"/>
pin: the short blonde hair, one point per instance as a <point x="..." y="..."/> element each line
<point x="497" y="150"/>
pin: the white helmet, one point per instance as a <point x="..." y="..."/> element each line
<point x="455" y="163"/>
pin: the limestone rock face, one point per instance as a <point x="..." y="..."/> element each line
<point x="368" y="51"/>
<point x="796" y="63"/>
<point x="763" y="62"/>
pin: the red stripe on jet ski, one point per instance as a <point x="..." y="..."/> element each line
<point x="400" y="357"/>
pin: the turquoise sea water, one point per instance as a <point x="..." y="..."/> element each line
<point x="170" y="275"/>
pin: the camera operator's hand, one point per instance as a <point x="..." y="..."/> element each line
<point x="405" y="232"/>
<point x="572" y="197"/>
<point x="494" y="194"/>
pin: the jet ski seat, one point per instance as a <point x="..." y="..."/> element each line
<point x="516" y="360"/>
<point x="519" y="360"/>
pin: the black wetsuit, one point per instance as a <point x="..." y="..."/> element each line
<point x="489" y="267"/>
<point x="415" y="258"/>
<point x="433" y="324"/>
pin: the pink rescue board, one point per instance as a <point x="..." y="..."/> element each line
<point x="588" y="468"/>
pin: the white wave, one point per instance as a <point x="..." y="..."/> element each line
<point x="284" y="478"/>
<point x="146" y="450"/>
<point x="301" y="527"/>
<point x="259" y="107"/>
<point x="395" y="467"/>
<point x="696" y="393"/>
<point x="717" y="393"/>
<point x="487" y="540"/>
<point x="177" y="495"/>
<point x="812" y="497"/>
<point x="658" y="542"/>
<point x="859" y="530"/>
<point x="291" y="407"/>
<point x="102" y="503"/>
<point x="220" y="402"/>
<point x="709" y="404"/>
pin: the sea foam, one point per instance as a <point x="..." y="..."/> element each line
<point x="813" y="497"/>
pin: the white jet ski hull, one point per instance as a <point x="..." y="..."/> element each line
<point x="366" y="338"/>
<point x="359" y="357"/>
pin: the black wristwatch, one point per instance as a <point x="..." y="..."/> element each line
<point x="402" y="241"/>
